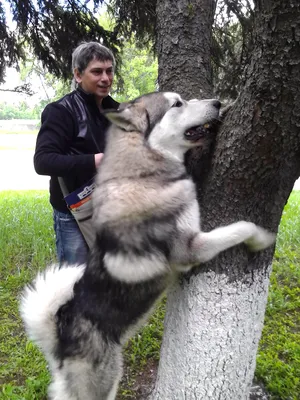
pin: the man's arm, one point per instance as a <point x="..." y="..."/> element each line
<point x="54" y="140"/>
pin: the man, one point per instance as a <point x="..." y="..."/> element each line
<point x="71" y="141"/>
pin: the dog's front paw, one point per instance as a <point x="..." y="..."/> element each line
<point x="261" y="239"/>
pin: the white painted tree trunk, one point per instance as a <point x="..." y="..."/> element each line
<point x="211" y="337"/>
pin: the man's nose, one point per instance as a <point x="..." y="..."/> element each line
<point x="104" y="77"/>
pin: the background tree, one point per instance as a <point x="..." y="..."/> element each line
<point x="232" y="46"/>
<point x="22" y="111"/>
<point x="51" y="30"/>
<point x="136" y="71"/>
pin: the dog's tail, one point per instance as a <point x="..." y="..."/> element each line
<point x="41" y="300"/>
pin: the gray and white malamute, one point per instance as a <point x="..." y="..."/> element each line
<point x="147" y="224"/>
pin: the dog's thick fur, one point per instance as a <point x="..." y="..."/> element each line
<point x="148" y="228"/>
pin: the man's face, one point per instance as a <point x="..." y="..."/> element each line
<point x="97" y="78"/>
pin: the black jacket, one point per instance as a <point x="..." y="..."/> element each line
<point x="72" y="131"/>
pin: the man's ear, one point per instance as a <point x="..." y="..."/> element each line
<point x="77" y="75"/>
<point x="129" y="117"/>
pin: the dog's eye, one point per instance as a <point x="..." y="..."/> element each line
<point x="177" y="103"/>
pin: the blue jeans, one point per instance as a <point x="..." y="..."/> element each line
<point x="71" y="247"/>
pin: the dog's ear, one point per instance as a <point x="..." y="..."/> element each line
<point x="129" y="117"/>
<point x="121" y="118"/>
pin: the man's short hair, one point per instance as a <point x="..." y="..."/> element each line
<point x="88" y="51"/>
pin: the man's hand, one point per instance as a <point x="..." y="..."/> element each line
<point x="98" y="159"/>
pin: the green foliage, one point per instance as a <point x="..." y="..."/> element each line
<point x="138" y="72"/>
<point x="232" y="46"/>
<point x="146" y="344"/>
<point x="27" y="245"/>
<point x="135" y="17"/>
<point x="21" y="111"/>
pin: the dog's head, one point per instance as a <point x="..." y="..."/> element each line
<point x="166" y="122"/>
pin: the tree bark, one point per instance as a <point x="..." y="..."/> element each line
<point x="183" y="46"/>
<point x="215" y="315"/>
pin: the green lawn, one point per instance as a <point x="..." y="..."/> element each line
<point x="19" y="132"/>
<point x="23" y="251"/>
<point x="278" y="361"/>
<point x="23" y="373"/>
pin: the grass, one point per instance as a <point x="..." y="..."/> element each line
<point x="21" y="140"/>
<point x="16" y="147"/>
<point x="18" y="132"/>
<point x="27" y="245"/>
<point x="278" y="360"/>
<point x="23" y="252"/>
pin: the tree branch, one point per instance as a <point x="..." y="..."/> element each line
<point x="26" y="89"/>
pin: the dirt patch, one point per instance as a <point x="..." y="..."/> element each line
<point x="140" y="386"/>
<point x="145" y="381"/>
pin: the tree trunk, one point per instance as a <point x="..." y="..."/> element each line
<point x="215" y="315"/>
<point x="183" y="46"/>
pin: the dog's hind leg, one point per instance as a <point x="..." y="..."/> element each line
<point x="113" y="393"/>
<point x="92" y="377"/>
<point x="206" y="245"/>
<point x="58" y="389"/>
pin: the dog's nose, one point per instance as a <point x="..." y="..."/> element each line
<point x="217" y="104"/>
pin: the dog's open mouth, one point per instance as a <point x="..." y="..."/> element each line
<point x="198" y="132"/>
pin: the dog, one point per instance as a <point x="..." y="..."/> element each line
<point x="147" y="223"/>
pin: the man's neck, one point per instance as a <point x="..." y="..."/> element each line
<point x="99" y="102"/>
